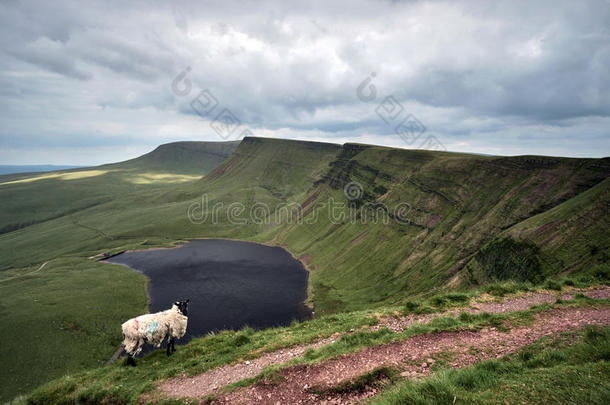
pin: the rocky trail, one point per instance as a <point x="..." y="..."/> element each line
<point x="522" y="302"/>
<point x="308" y="384"/>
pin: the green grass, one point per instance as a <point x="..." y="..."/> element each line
<point x="571" y="369"/>
<point x="120" y="384"/>
<point x="66" y="317"/>
<point x="500" y="289"/>
<point x="63" y="320"/>
<point x="436" y="303"/>
<point x="27" y="202"/>
<point x="464" y="321"/>
<point x="356" y="265"/>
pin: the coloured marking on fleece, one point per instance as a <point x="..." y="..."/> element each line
<point x="152" y="328"/>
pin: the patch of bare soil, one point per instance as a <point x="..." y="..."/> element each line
<point x="311" y="198"/>
<point x="305" y="258"/>
<point x="222" y="169"/>
<point x="598" y="293"/>
<point x="357" y="238"/>
<point x="210" y="381"/>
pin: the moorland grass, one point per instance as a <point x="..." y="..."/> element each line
<point x="62" y="320"/>
<point x="550" y="371"/>
<point x="120" y="384"/>
<point x="67" y="221"/>
<point x="357" y="264"/>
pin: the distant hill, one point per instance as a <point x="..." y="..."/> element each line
<point x="31" y="198"/>
<point x="9" y="169"/>
<point x="181" y="157"/>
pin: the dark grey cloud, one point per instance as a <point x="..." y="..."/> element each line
<point x="50" y="55"/>
<point x="498" y="77"/>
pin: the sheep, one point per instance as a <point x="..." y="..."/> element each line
<point x="154" y="329"/>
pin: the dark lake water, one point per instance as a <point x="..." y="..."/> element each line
<point x="230" y="283"/>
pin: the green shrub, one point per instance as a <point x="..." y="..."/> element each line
<point x="241" y="339"/>
<point x="552" y="285"/>
<point x="466" y="317"/>
<point x="509" y="287"/>
<point x="448" y="299"/>
<point x="602" y="272"/>
<point x="410" y="307"/>
<point x="508" y="259"/>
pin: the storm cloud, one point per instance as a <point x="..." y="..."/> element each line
<point x="88" y="83"/>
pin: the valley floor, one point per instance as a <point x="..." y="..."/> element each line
<point x="340" y="379"/>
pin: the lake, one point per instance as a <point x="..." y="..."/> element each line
<point x="231" y="284"/>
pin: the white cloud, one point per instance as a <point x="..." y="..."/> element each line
<point x="495" y="77"/>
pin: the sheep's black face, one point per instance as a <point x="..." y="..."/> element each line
<point x="183" y="306"/>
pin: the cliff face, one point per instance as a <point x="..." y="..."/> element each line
<point x="544" y="215"/>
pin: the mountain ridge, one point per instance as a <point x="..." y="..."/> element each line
<point x="427" y="180"/>
<point x="472" y="221"/>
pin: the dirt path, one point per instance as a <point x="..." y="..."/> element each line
<point x="521" y="302"/>
<point x="211" y="380"/>
<point x="208" y="382"/>
<point x="99" y="232"/>
<point x="413" y="357"/>
<point x="26" y="274"/>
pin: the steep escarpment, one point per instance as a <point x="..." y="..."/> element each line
<point x="379" y="224"/>
<point x="457" y="204"/>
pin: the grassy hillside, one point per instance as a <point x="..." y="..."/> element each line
<point x="196" y="158"/>
<point x="29" y="198"/>
<point x="61" y="320"/>
<point x="573" y="235"/>
<point x="63" y="317"/>
<point x="134" y="215"/>
<point x="461" y="213"/>
<point x="545" y="361"/>
<point x="458" y="203"/>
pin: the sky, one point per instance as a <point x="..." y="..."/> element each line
<point x="84" y="83"/>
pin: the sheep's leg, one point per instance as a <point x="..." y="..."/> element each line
<point x="173" y="345"/>
<point x="130" y="360"/>
<point x="170" y="346"/>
